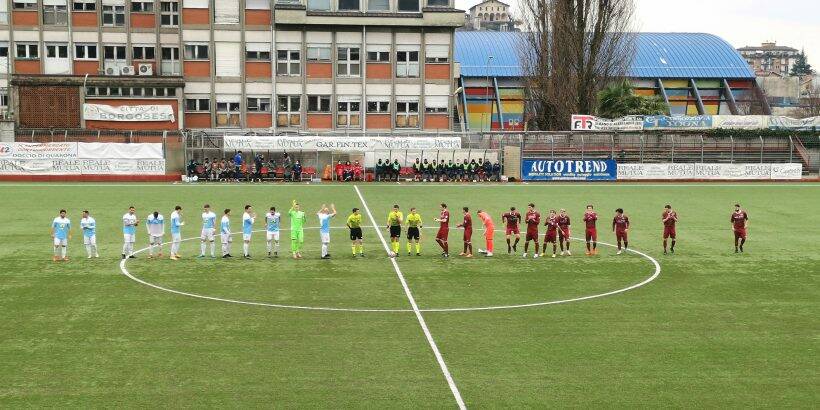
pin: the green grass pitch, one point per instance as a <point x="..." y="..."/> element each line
<point x="714" y="329"/>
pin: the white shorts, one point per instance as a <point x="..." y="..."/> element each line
<point x="90" y="240"/>
<point x="129" y="238"/>
<point x="207" y="235"/>
<point x="176" y="237"/>
<point x="226" y="237"/>
<point x="60" y="242"/>
<point x="272" y="236"/>
<point x="246" y="237"/>
<point x="156" y="239"/>
<point x="325" y="237"/>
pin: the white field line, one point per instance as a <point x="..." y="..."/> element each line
<point x="419" y="316"/>
<point x="654" y="276"/>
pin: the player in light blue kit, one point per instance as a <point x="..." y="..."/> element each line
<point x="225" y="234"/>
<point x="272" y="220"/>
<point x="176" y="232"/>
<point x="248" y="218"/>
<point x="324" y="227"/>
<point x="60" y="233"/>
<point x="208" y="228"/>
<point x="89" y="227"/>
<point x="129" y="232"/>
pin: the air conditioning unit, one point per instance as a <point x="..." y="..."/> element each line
<point x="127" y="70"/>
<point x="145" y="69"/>
<point x="112" y="71"/>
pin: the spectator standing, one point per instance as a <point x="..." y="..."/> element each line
<point x="237" y="164"/>
<point x="287" y="164"/>
<point x="297" y="171"/>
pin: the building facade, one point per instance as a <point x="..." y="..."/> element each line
<point x="283" y="65"/>
<point x="492" y="15"/>
<point x="770" y="59"/>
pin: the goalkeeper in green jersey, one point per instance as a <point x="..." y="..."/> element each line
<point x="297" y="229"/>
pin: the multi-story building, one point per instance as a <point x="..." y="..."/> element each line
<point x="491" y="15"/>
<point x="288" y="65"/>
<point x="770" y="59"/>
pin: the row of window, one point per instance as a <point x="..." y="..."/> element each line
<point x="406" y="6"/>
<point x="112" y="15"/>
<point x="130" y="92"/>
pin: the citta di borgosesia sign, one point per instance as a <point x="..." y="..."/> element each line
<point x="568" y="170"/>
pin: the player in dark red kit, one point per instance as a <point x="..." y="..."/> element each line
<point x="740" y="223"/>
<point x="532" y="219"/>
<point x="552" y="233"/>
<point x="443" y="230"/>
<point x="620" y="225"/>
<point x="512" y="219"/>
<point x="563" y="231"/>
<point x="467" y="224"/>
<point x="669" y="219"/>
<point x="590" y="218"/>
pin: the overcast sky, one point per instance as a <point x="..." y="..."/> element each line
<point x="794" y="23"/>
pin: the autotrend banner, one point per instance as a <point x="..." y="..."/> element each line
<point x="101" y="112"/>
<point x="568" y="170"/>
<point x="338" y="143"/>
<point x="709" y="171"/>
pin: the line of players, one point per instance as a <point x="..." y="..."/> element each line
<point x="557" y="233"/>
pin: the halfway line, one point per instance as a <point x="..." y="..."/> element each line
<point x="412" y="300"/>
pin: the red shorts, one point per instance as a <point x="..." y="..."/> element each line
<point x="669" y="232"/>
<point x="592" y="234"/>
<point x="532" y="235"/>
<point x="563" y="233"/>
<point x="468" y="235"/>
<point x="621" y="236"/>
<point x="513" y="230"/>
<point x="740" y="233"/>
<point x="442" y="234"/>
<point x="550" y="236"/>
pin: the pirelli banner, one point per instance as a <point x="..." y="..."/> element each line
<point x="710" y="171"/>
<point x="72" y="158"/>
<point x="339" y="143"/>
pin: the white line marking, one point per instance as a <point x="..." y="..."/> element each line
<point x="654" y="276"/>
<point x="422" y="322"/>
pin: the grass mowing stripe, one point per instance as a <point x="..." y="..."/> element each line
<point x="422" y="322"/>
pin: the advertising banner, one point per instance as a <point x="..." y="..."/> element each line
<point x="787" y="171"/>
<point x="338" y="143"/>
<point x="30" y="150"/>
<point x="740" y="122"/>
<point x="122" y="166"/>
<point x="656" y="171"/>
<point x="786" y="123"/>
<point x="665" y="122"/>
<point x="113" y="150"/>
<point x="733" y="171"/>
<point x="592" y="123"/>
<point x="39" y="166"/>
<point x="709" y="171"/>
<point x="568" y="170"/>
<point x="101" y="112"/>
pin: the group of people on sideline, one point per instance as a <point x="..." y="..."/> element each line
<point x="441" y="171"/>
<point x="237" y="168"/>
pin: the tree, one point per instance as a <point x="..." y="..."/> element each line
<point x="619" y="100"/>
<point x="810" y="102"/>
<point x="571" y="50"/>
<point x="801" y="66"/>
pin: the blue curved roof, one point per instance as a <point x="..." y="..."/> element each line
<point x="658" y="55"/>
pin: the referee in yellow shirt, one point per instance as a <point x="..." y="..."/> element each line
<point x="413" y="231"/>
<point x="354" y="223"/>
<point x="394" y="221"/>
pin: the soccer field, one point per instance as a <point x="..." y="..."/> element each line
<point x="704" y="327"/>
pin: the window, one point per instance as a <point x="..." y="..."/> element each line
<point x="319" y="5"/>
<point x="348" y="113"/>
<point x="378" y="56"/>
<point x="85" y="51"/>
<point x="407" y="114"/>
<point x="348" y="63"/>
<point x="55" y="15"/>
<point x="376" y="105"/>
<point x="378" y="5"/>
<point x="258" y="104"/>
<point x="257" y="51"/>
<point x="113" y="16"/>
<point x="24" y="5"/>
<point x="114" y="52"/>
<point x="407" y="64"/>
<point x="288" y="62"/>
<point x="319" y="103"/>
<point x="197" y="104"/>
<point x="170" y="61"/>
<point x="196" y="51"/>
<point x="288" y="111"/>
<point x="143" y="53"/>
<point x="4" y="99"/>
<point x="142" y="6"/>
<point x="437" y="53"/>
<point x="438" y="3"/>
<point x="435" y="104"/>
<point x="85" y="5"/>
<point x="169" y="13"/>
<point x="4" y="50"/>
<point x="227" y="114"/>
<point x="56" y="51"/>
<point x="318" y="53"/>
<point x="349" y="5"/>
<point x="409" y="5"/>
<point x="27" y="51"/>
